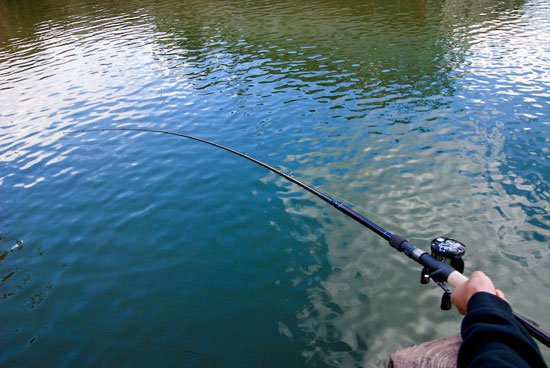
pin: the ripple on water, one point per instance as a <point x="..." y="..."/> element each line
<point x="427" y="117"/>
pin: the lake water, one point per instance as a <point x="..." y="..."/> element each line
<point x="123" y="249"/>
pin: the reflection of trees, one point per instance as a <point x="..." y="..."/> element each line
<point x="355" y="55"/>
<point x="18" y="19"/>
<point x="21" y="19"/>
<point x="380" y="35"/>
<point x="396" y="42"/>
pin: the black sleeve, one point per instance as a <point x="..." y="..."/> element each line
<point x="493" y="338"/>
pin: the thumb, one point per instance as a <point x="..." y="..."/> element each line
<point x="501" y="295"/>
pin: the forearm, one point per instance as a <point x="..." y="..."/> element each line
<point x="493" y="337"/>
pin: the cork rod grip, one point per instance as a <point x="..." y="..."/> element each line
<point x="456" y="279"/>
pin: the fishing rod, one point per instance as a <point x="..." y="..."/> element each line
<point x="444" y="265"/>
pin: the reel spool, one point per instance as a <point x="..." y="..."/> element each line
<point x="449" y="251"/>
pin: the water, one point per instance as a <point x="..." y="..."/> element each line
<point x="125" y="249"/>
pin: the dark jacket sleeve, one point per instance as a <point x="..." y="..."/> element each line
<point x="493" y="338"/>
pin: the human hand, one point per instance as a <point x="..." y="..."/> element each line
<point x="477" y="282"/>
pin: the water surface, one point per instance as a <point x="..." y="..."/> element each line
<point x="125" y="249"/>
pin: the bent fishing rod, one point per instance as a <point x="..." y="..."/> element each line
<point x="444" y="265"/>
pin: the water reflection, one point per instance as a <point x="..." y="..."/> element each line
<point x="429" y="115"/>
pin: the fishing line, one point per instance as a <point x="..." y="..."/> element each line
<point x="338" y="205"/>
<point x="444" y="265"/>
<point x="355" y="205"/>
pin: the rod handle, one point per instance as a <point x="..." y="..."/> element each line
<point x="456" y="279"/>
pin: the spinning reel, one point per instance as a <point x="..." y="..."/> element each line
<point x="449" y="251"/>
